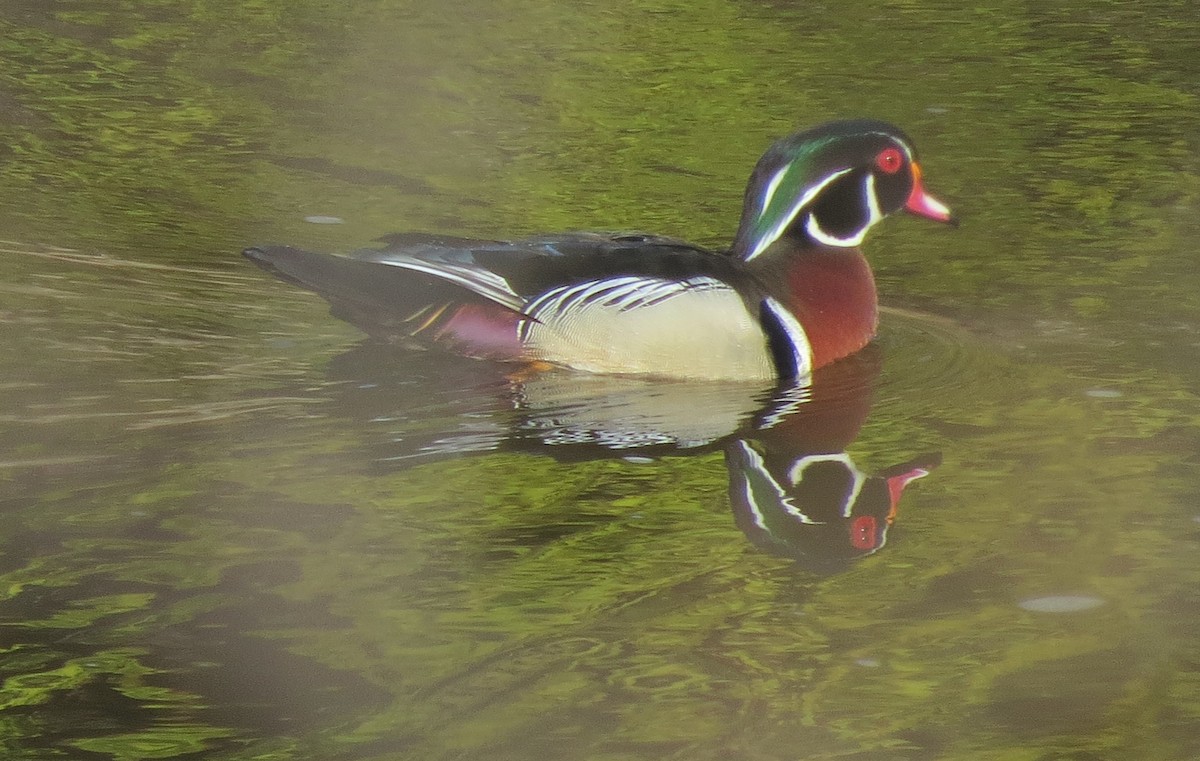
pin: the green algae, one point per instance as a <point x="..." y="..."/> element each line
<point x="189" y="508"/>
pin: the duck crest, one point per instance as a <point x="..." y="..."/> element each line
<point x="782" y="186"/>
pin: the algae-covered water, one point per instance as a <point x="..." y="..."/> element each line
<point x="233" y="531"/>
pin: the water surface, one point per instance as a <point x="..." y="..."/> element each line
<point x="234" y="532"/>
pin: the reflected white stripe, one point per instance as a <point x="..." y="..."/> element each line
<point x="756" y="465"/>
<point x="796" y="474"/>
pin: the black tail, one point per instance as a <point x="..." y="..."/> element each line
<point x="377" y="298"/>
<point x="330" y="276"/>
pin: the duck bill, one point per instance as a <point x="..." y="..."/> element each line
<point x="924" y="205"/>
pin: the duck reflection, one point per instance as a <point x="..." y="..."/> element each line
<point x="793" y="489"/>
<point x="818" y="507"/>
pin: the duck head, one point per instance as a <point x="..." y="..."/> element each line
<point x="829" y="185"/>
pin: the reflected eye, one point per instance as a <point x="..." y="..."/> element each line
<point x="862" y="533"/>
<point x="890" y="160"/>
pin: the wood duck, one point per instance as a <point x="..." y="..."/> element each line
<point x="792" y="294"/>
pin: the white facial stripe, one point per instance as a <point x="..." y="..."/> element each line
<point x="873" y="213"/>
<point x="801" y="349"/>
<point x="772" y="186"/>
<point x="777" y="229"/>
<point x="821" y="236"/>
<point x="908" y="151"/>
<point x="873" y="216"/>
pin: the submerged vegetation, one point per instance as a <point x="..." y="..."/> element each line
<point x="204" y="555"/>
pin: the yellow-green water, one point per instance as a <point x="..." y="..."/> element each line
<point x="217" y="542"/>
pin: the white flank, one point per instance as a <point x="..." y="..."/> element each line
<point x="697" y="328"/>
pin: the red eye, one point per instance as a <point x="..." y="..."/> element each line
<point x="890" y="160"/>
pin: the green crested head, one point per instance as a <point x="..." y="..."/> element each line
<point x="829" y="185"/>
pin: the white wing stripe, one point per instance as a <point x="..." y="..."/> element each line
<point x="484" y="282"/>
<point x="587" y="293"/>
<point x="564" y="297"/>
<point x="619" y="293"/>
<point x="695" y="285"/>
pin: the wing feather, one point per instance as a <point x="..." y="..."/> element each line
<point x="476" y="279"/>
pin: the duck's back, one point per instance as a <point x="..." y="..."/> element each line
<point x="624" y="303"/>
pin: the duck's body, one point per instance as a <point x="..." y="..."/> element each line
<point x="794" y="293"/>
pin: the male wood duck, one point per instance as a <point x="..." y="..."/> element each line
<point x="793" y="293"/>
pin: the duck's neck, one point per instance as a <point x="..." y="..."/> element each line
<point x="832" y="293"/>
